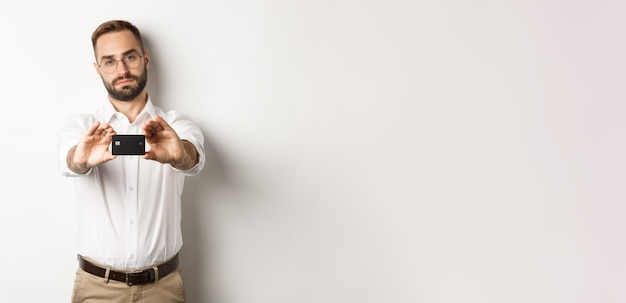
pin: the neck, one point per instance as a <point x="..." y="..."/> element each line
<point x="130" y="108"/>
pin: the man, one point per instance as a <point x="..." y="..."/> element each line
<point x="129" y="207"/>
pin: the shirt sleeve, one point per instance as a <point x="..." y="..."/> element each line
<point x="188" y="130"/>
<point x="68" y="136"/>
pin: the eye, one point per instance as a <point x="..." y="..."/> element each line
<point x="131" y="58"/>
<point x="108" y="62"/>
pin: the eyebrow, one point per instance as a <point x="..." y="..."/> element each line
<point x="123" y="54"/>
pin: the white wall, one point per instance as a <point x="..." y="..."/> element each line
<point x="360" y="151"/>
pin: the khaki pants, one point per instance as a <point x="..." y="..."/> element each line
<point x="91" y="289"/>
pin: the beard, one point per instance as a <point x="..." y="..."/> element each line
<point x="127" y="92"/>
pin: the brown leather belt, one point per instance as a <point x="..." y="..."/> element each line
<point x="133" y="277"/>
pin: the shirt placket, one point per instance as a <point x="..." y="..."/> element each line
<point x="131" y="165"/>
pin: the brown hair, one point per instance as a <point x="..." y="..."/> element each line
<point x="115" y="26"/>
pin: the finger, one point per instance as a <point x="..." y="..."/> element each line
<point x="150" y="126"/>
<point x="109" y="129"/>
<point x="92" y="129"/>
<point x="103" y="130"/>
<point x="149" y="155"/>
<point x="162" y="123"/>
<point x="108" y="157"/>
<point x="147" y="130"/>
<point x="111" y="132"/>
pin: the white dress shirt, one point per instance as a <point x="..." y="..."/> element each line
<point x="129" y="209"/>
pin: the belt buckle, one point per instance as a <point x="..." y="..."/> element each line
<point x="132" y="274"/>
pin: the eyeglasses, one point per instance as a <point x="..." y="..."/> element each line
<point x="109" y="65"/>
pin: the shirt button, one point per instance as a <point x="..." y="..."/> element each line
<point x="131" y="188"/>
<point x="132" y="257"/>
<point x="132" y="222"/>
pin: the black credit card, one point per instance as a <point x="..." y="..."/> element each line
<point x="125" y="145"/>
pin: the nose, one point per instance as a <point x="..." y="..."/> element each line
<point x="121" y="67"/>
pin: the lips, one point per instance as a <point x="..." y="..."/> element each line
<point x="124" y="82"/>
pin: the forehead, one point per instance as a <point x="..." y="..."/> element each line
<point x="117" y="43"/>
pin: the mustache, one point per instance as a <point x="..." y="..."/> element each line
<point x="125" y="77"/>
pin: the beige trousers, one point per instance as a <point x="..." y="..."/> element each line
<point x="93" y="289"/>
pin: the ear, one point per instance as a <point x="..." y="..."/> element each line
<point x="146" y="56"/>
<point x="95" y="65"/>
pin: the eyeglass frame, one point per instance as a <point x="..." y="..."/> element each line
<point x="131" y="52"/>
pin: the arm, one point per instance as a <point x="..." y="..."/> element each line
<point x="79" y="168"/>
<point x="189" y="159"/>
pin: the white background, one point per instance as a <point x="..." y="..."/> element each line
<point x="358" y="151"/>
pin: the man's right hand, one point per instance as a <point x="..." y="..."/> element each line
<point x="92" y="149"/>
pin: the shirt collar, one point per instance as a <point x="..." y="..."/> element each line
<point x="148" y="109"/>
